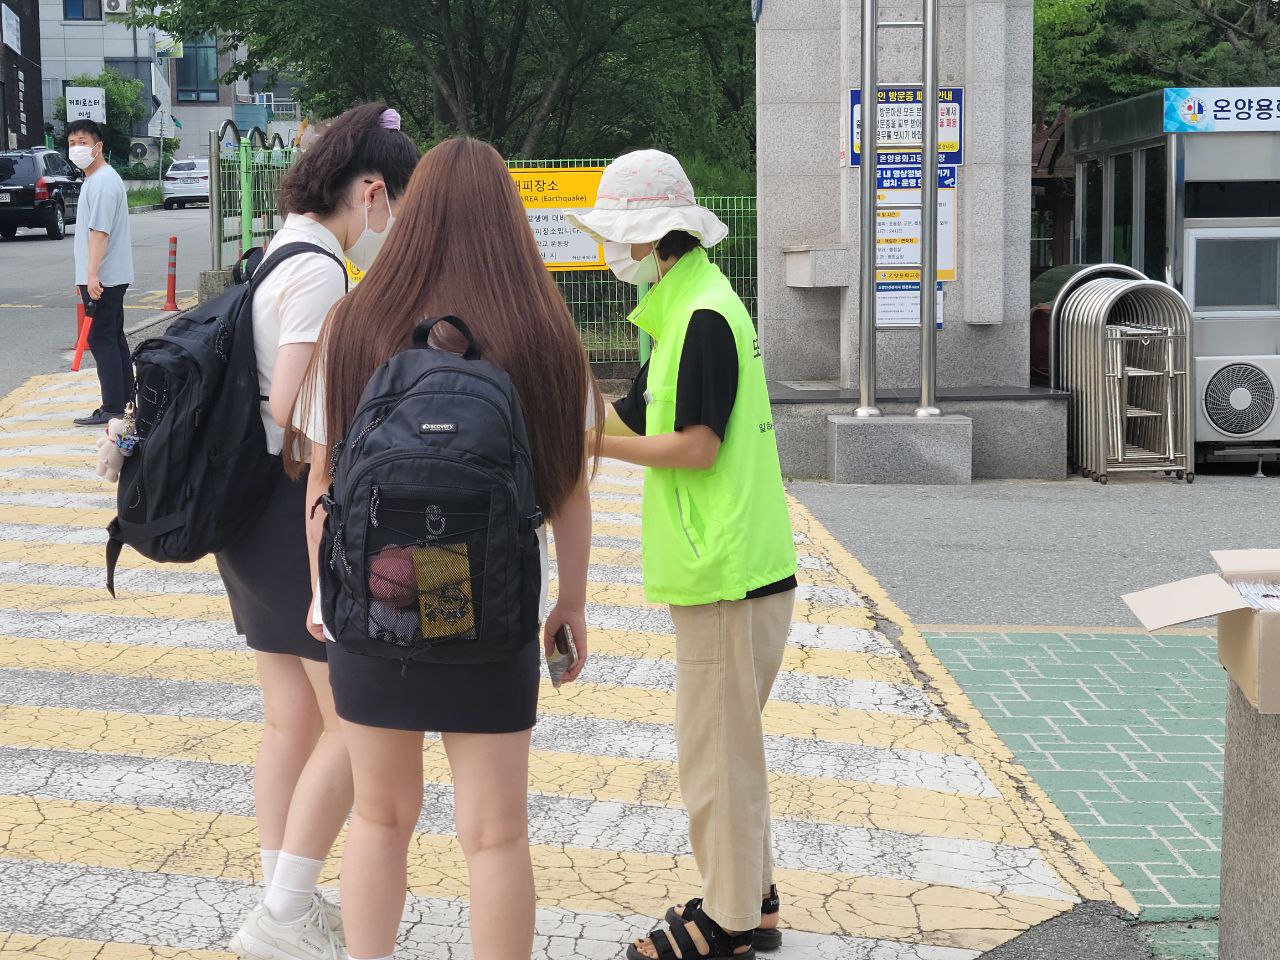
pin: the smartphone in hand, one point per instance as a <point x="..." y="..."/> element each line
<point x="565" y="657"/>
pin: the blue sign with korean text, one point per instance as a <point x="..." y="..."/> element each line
<point x="910" y="177"/>
<point x="900" y="127"/>
<point x="1221" y="109"/>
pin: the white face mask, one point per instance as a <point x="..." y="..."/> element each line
<point x="618" y="257"/>
<point x="367" y="246"/>
<point x="81" y="156"/>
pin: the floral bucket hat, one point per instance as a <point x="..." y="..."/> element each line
<point x="644" y="196"/>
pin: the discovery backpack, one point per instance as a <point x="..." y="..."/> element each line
<point x="430" y="550"/>
<point x="200" y="473"/>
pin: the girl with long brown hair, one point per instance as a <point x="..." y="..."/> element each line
<point x="338" y="201"/>
<point x="461" y="246"/>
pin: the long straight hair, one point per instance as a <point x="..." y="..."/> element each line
<point x="461" y="244"/>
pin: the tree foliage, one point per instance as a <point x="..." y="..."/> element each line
<point x="538" y="78"/>
<point x="125" y="107"/>
<point x="1093" y="52"/>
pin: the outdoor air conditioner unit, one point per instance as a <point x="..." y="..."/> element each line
<point x="1237" y="399"/>
<point x="118" y="7"/>
<point x="143" y="151"/>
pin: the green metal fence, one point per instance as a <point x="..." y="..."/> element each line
<point x="245" y="213"/>
<point x="244" y="207"/>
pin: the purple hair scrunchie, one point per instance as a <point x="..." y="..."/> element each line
<point x="390" y="119"/>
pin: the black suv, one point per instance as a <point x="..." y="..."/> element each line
<point x="38" y="188"/>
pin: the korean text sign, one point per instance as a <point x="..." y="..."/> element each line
<point x="86" y="103"/>
<point x="1221" y="109"/>
<point x="547" y="193"/>
<point x="900" y="125"/>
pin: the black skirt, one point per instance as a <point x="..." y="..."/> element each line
<point x="268" y="577"/>
<point x="446" y="698"/>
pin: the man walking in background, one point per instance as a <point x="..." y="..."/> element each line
<point x="104" y="267"/>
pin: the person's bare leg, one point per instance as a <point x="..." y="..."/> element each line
<point x="491" y="806"/>
<point x="387" y="771"/>
<point x="321" y="802"/>
<point x="324" y="792"/>
<point x="293" y="724"/>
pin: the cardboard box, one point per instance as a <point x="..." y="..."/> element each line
<point x="1248" y="639"/>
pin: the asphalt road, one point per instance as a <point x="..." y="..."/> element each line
<point x="37" y="305"/>
<point x="1025" y="552"/>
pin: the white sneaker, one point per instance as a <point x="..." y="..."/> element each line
<point x="332" y="913"/>
<point x="310" y="937"/>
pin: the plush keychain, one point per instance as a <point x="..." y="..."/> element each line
<point x="117" y="444"/>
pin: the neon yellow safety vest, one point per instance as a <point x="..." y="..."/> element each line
<point x="716" y="534"/>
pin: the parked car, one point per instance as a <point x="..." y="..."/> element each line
<point x="186" y="181"/>
<point x="38" y="188"/>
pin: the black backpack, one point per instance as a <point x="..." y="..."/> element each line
<point x="430" y="550"/>
<point x="200" y="474"/>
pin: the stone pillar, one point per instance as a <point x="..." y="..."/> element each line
<point x="1249" y="925"/>
<point x="807" y="60"/>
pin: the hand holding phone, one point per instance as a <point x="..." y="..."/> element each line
<point x="564" y="657"/>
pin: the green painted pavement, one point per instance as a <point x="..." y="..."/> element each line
<point x="1125" y="732"/>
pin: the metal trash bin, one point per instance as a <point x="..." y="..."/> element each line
<point x="1125" y="360"/>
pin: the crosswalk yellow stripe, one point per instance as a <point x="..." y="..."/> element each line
<point x="61" y="516"/>
<point x="906" y="809"/>
<point x="851" y="803"/>
<point x="225" y="846"/>
<point x="90" y="555"/>
<point x="65" y="948"/>
<point x="91" y="483"/>
<point x="222" y="666"/>
<point x="582" y="699"/>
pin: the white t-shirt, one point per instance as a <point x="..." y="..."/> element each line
<point x="292" y="303"/>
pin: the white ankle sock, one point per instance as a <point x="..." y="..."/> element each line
<point x="292" y="888"/>
<point x="390" y="956"/>
<point x="269" y="858"/>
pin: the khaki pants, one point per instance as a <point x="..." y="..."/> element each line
<point x="728" y="655"/>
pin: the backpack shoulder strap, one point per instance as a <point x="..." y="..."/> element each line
<point x="268" y="263"/>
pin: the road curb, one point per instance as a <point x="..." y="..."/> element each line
<point x="147" y="209"/>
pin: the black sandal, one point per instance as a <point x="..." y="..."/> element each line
<point x="722" y="944"/>
<point x="764" y="939"/>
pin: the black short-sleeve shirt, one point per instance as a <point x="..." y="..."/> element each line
<point x="706" y="389"/>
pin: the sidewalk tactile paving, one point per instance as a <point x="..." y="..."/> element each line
<point x="905" y="829"/>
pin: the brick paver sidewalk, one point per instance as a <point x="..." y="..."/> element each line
<point x="1125" y="731"/>
<point x="904" y="829"/>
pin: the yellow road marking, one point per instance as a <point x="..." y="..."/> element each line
<point x="55" y="516"/>
<point x="90" y="555"/>
<point x="193" y="843"/>
<point x="1056" y="628"/>
<point x="64" y="948"/>
<point x="1056" y="838"/>
<point x="582" y="699"/>
<point x="90" y="484"/>
<point x="850" y="803"/>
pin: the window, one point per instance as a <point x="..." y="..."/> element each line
<point x="81" y="9"/>
<point x="1239" y="198"/>
<point x="197" y="71"/>
<point x="1154" y="236"/>
<point x="1122" y="208"/>
<point x="1238" y="274"/>
<point x="1093" y="212"/>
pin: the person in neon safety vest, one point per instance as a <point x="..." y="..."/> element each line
<point x="717" y="539"/>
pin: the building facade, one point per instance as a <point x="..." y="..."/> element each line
<point x="21" y="107"/>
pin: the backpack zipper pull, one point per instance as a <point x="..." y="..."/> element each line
<point x="374" y="499"/>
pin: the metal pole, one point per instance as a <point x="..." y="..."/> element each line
<point x="215" y="199"/>
<point x="867" y="214"/>
<point x="929" y="219"/>
<point x="246" y="197"/>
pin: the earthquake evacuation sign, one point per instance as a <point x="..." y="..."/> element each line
<point x="898" y="299"/>
<point x="548" y="193"/>
<point x="898" y="219"/>
<point x="87" y="103"/>
<point x="1221" y="109"/>
<point x="900" y="125"/>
